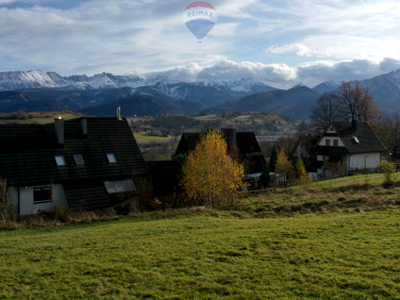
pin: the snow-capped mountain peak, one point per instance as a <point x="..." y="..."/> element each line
<point x="39" y="79"/>
<point x="31" y="79"/>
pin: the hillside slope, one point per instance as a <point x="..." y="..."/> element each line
<point x="295" y="103"/>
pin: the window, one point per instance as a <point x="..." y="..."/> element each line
<point x="60" y="161"/>
<point x="41" y="194"/>
<point x="79" y="159"/>
<point x="119" y="186"/>
<point x="336" y="142"/>
<point x="111" y="158"/>
<point x="327" y="142"/>
<point x="355" y="140"/>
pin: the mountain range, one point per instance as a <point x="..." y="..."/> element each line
<point x="100" y="94"/>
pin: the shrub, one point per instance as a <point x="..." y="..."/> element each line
<point x="387" y="168"/>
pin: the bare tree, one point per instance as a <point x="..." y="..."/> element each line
<point x="350" y="103"/>
<point x="327" y="111"/>
<point x="357" y="103"/>
<point x="388" y="131"/>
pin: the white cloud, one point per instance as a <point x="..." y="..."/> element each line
<point x="225" y="30"/>
<point x="340" y="30"/>
<point x="137" y="36"/>
<point x="280" y="75"/>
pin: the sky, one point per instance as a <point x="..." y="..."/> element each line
<point x="279" y="42"/>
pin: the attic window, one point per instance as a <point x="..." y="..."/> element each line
<point x="355" y="140"/>
<point x="60" y="161"/>
<point x="119" y="186"/>
<point x="79" y="159"/>
<point x="111" y="158"/>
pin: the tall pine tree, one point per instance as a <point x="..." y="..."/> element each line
<point x="272" y="160"/>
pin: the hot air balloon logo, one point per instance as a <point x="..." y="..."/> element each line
<point x="200" y="17"/>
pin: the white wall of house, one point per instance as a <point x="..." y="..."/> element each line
<point x="323" y="141"/>
<point x="26" y="199"/>
<point x="364" y="161"/>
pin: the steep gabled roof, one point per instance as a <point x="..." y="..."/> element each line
<point x="309" y="142"/>
<point x="27" y="151"/>
<point x="358" y="137"/>
<point x="245" y="141"/>
<point x="188" y="142"/>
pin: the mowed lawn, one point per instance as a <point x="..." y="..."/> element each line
<point x="207" y="255"/>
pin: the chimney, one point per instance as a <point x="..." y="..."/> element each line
<point x="59" y="128"/>
<point x="84" y="125"/>
<point x="119" y="113"/>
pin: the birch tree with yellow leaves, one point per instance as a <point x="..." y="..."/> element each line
<point x="212" y="177"/>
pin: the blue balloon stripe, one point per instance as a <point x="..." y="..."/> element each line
<point x="200" y="27"/>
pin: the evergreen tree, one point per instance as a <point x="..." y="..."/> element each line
<point x="273" y="159"/>
<point x="265" y="179"/>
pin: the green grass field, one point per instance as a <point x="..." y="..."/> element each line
<point x="37" y="117"/>
<point x="207" y="255"/>
<point x="347" y="194"/>
<point x="145" y="138"/>
<point x="335" y="239"/>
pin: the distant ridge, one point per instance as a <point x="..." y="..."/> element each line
<point x="37" y="90"/>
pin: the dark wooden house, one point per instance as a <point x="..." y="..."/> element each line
<point x="84" y="163"/>
<point x="241" y="145"/>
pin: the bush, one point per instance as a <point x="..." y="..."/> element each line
<point x="388" y="168"/>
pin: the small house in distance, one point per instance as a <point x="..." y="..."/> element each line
<point x="84" y="163"/>
<point x="348" y="147"/>
<point x="241" y="145"/>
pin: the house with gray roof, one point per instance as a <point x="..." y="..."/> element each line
<point x="348" y="147"/>
<point x="84" y="164"/>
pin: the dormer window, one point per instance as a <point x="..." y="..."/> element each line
<point x="79" y="161"/>
<point x="111" y="158"/>
<point x="60" y="160"/>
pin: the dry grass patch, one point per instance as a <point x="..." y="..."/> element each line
<point x="303" y="199"/>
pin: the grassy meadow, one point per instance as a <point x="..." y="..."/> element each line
<point x="207" y="255"/>
<point x="145" y="138"/>
<point x="35" y="117"/>
<point x="337" y="239"/>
